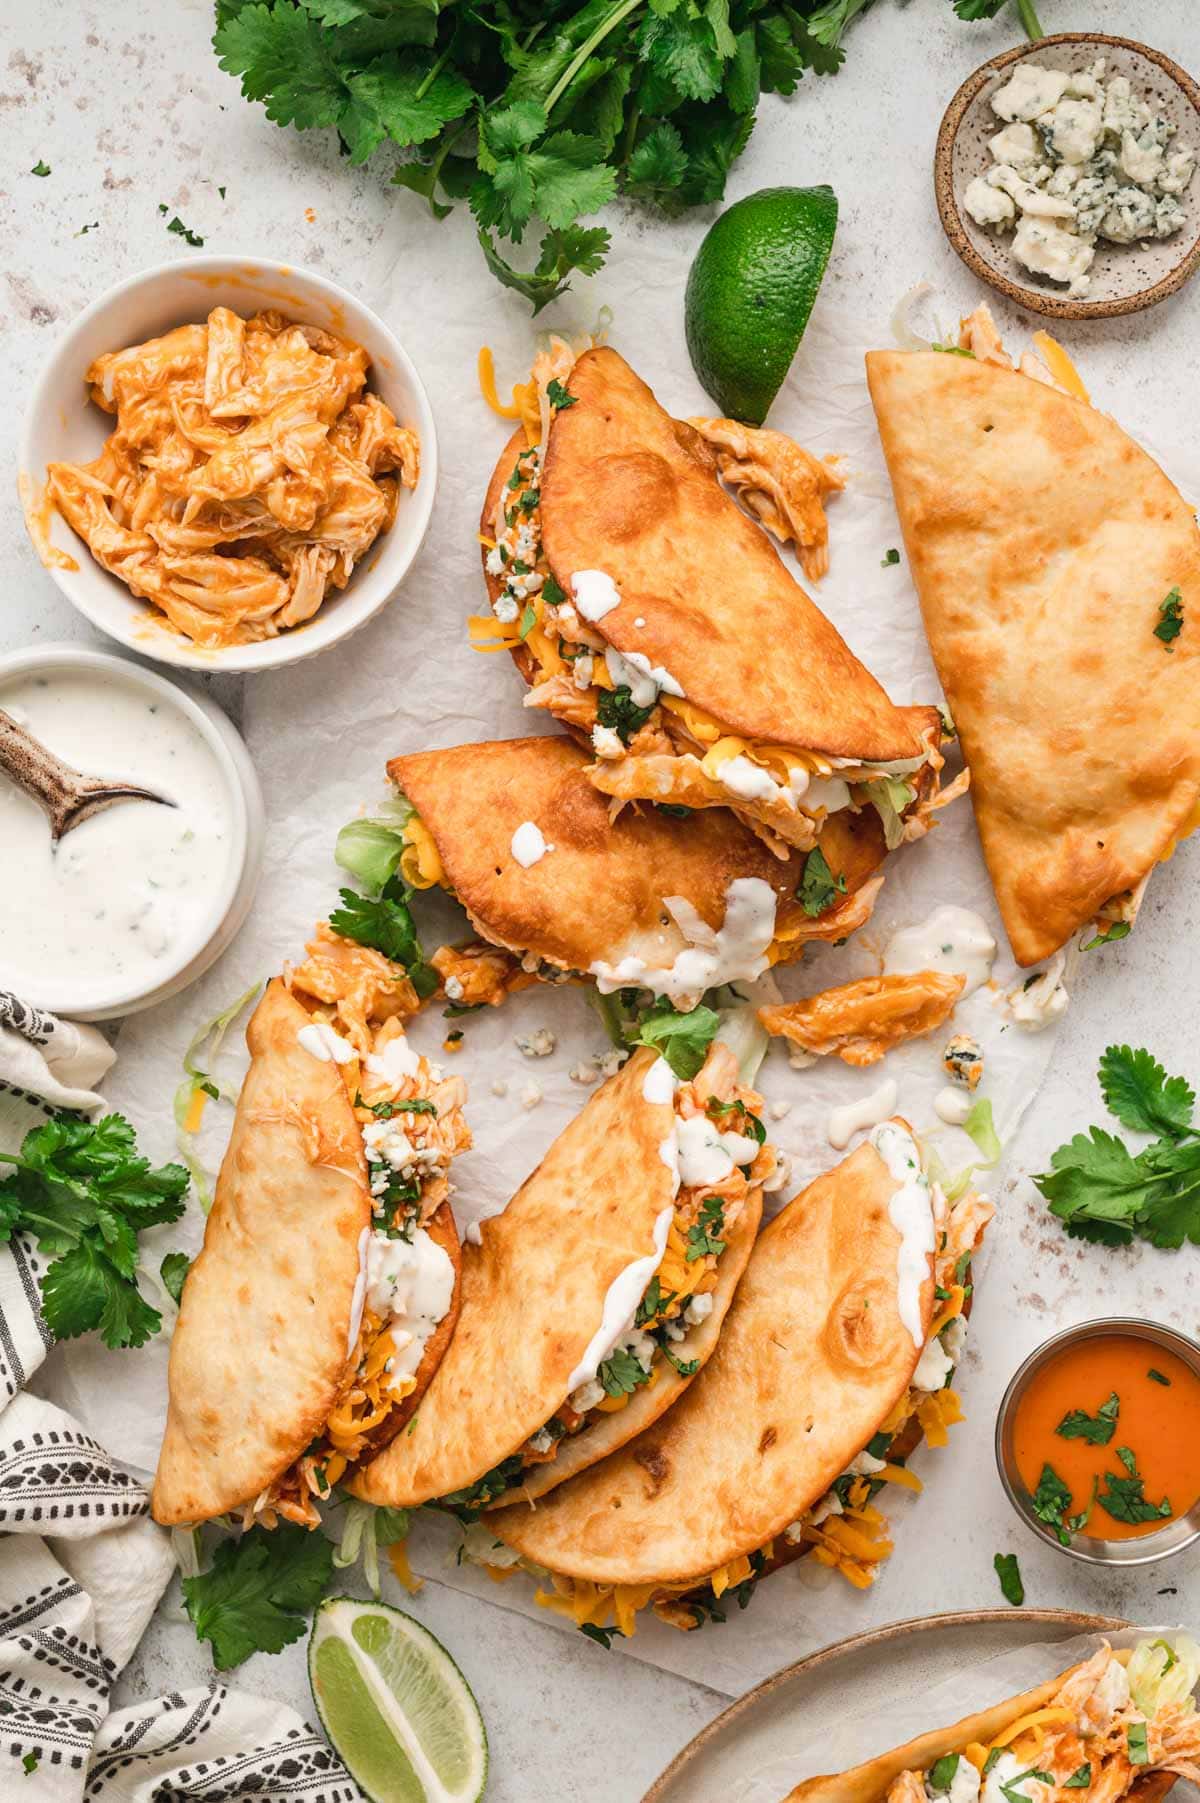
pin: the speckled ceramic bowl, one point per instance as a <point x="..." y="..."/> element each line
<point x="1125" y="278"/>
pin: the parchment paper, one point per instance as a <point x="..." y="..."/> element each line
<point x="321" y="733"/>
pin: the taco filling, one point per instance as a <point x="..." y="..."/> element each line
<point x="411" y="1120"/>
<point x="719" y="1155"/>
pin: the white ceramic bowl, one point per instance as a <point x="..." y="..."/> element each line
<point x="63" y="425"/>
<point x="232" y="890"/>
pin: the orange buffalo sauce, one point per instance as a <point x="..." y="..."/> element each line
<point x="1157" y="1423"/>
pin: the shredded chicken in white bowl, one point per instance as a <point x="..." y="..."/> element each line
<point x="248" y="477"/>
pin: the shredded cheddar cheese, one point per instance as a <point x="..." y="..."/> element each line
<point x="420" y="865"/>
<point x="1060" y="365"/>
<point x="398" y="1560"/>
<point x="486" y="369"/>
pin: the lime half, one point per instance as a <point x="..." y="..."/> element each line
<point x="751" y="291"/>
<point x="395" y="1705"/>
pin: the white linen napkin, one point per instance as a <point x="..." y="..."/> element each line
<point x="82" y="1565"/>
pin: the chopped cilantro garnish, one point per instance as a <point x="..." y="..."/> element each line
<point x="682" y="1039"/>
<point x="528" y="622"/>
<point x="41" y="167"/>
<point x="940" y="1775"/>
<point x="617" y="709"/>
<point x="1097" y="1429"/>
<point x="621" y="1374"/>
<point x="1080" y="1778"/>
<point x="1050" y="1498"/>
<point x="747" y="1124"/>
<point x="1120" y="929"/>
<point x="1170" y="624"/>
<point x="1009" y="1574"/>
<point x="180" y="230"/>
<point x="1124" y="1498"/>
<point x="558" y="396"/>
<point x="173" y="1269"/>
<point x="602" y="1636"/>
<point x="819" y="888"/>
<point x="1157" y="1377"/>
<point x="889" y="558"/>
<point x="552" y="594"/>
<point x="703" y="1234"/>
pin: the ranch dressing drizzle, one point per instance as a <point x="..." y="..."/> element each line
<point x="954" y="940"/>
<point x="620" y="1305"/>
<point x="851" y="1117"/>
<point x="595" y="594"/>
<point x="910" y="1211"/>
<point x="409" y="1285"/>
<point x="735" y="952"/>
<point x="952" y="1105"/>
<point x="117" y="905"/>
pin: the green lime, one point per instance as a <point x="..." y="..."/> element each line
<point x="395" y="1705"/>
<point x="750" y="293"/>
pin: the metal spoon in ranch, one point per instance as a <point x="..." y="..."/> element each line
<point x="67" y="796"/>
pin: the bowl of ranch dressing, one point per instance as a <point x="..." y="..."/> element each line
<point x="139" y="900"/>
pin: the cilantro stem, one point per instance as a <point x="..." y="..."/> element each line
<point x="1030" y="20"/>
<point x="635" y="119"/>
<point x="435" y="71"/>
<point x="585" y="50"/>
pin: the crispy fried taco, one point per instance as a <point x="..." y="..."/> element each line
<point x="327" y="1289"/>
<point x="558" y="890"/>
<point x="836" y="1358"/>
<point x="655" y="619"/>
<point x="1056" y="566"/>
<point x="589" y="1305"/>
<point x="1121" y="1725"/>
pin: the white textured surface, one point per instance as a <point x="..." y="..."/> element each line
<point x="122" y="104"/>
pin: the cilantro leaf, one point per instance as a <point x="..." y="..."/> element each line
<point x="1097" y="1429"/>
<point x="560" y="397"/>
<point x="617" y="709"/>
<point x="978" y="9"/>
<point x="1124" y="1498"/>
<point x="1009" y="1573"/>
<point x="682" y="1039"/>
<point x="621" y="1374"/>
<point x="1050" y="1499"/>
<point x="41" y="167"/>
<point x="258" y="1591"/>
<point x="681" y="46"/>
<point x="1095" y="1179"/>
<point x="658" y="163"/>
<point x="1170" y="624"/>
<point x="703" y="1235"/>
<point x="1139" y="1092"/>
<point x="602" y="1636"/>
<point x="403" y="96"/>
<point x="819" y="888"/>
<point x="1135" y="1740"/>
<point x="384" y="923"/>
<point x="1118" y="929"/>
<point x="285" y="60"/>
<point x="578" y="247"/>
<point x="1080" y="1778"/>
<point x="940" y="1775"/>
<point x="173" y="1269"/>
<point x="82" y="1191"/>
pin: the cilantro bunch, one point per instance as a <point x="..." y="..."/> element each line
<point x="1101" y="1190"/>
<point x="80" y="1189"/>
<point x="536" y="113"/>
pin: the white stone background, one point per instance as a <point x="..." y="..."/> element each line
<point x="128" y="106"/>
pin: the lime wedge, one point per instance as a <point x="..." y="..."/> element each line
<point x="395" y="1705"/>
<point x="751" y="291"/>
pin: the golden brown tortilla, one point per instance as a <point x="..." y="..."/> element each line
<point x="628" y="490"/>
<point x="871" y="1781"/>
<point x="599" y="893"/>
<point x="812" y="1358"/>
<point x="645" y="1406"/>
<point x="1042" y="541"/>
<point x="260" y="1347"/>
<point x="533" y="1294"/>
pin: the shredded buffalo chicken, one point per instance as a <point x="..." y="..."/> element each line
<point x="864" y="1020"/>
<point x="249" y="471"/>
<point x="783" y="485"/>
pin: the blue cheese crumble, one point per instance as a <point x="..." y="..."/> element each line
<point x="1079" y="160"/>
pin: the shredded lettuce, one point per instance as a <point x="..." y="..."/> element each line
<point x="364" y="1530"/>
<point x="738" y="1025"/>
<point x="370" y="849"/>
<point x="1163" y="1671"/>
<point x="198" y="1078"/>
<point x="890" y="795"/>
<point x="980" y="1126"/>
<point x="951" y="1185"/>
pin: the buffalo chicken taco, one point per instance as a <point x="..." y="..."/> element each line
<point x="837" y="1356"/>
<point x="558" y="890"/>
<point x="327" y="1288"/>
<point x="1059" y="573"/>
<point x="655" y="620"/>
<point x="591" y="1302"/>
